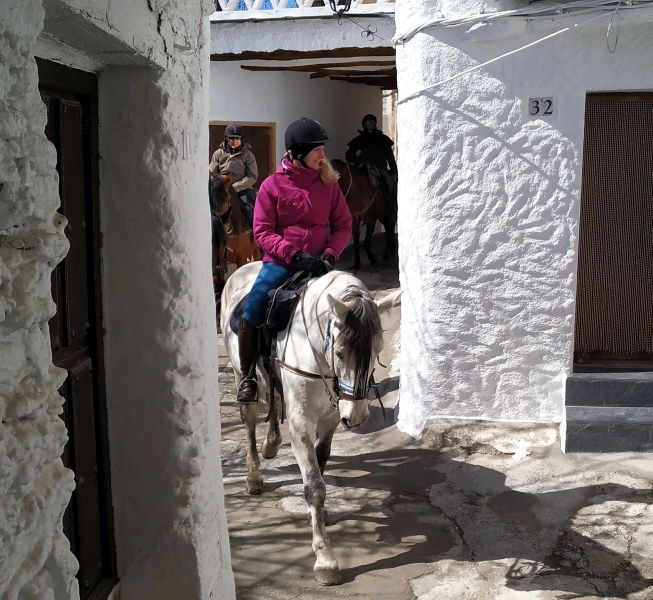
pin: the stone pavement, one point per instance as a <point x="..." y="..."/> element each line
<point x="473" y="511"/>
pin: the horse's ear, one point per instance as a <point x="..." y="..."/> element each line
<point x="226" y="181"/>
<point x="389" y="301"/>
<point x="338" y="306"/>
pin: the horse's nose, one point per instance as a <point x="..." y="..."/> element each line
<point x="348" y="425"/>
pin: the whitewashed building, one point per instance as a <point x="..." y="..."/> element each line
<point x="503" y="177"/>
<point x="525" y="174"/>
<point x="103" y="161"/>
<point x="524" y="231"/>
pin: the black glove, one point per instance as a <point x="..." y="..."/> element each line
<point x="329" y="258"/>
<point x="309" y="262"/>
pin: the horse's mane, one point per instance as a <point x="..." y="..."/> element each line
<point x="360" y="331"/>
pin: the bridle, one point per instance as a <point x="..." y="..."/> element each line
<point x="338" y="390"/>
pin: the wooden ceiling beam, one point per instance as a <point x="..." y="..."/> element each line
<point x="348" y="74"/>
<point x="387" y="83"/>
<point x="305" y="55"/>
<point x="320" y="66"/>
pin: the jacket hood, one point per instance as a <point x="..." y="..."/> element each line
<point x="300" y="176"/>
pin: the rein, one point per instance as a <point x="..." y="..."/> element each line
<point x="339" y="389"/>
<point x="359" y="214"/>
<point x="351" y="180"/>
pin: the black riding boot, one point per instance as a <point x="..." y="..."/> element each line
<point x="248" y="353"/>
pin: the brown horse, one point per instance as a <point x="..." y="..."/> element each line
<point x="241" y="247"/>
<point x="367" y="204"/>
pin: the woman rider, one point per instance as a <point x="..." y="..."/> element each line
<point x="301" y="221"/>
<point x="235" y="158"/>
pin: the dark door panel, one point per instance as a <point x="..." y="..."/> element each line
<point x="71" y="100"/>
<point x="614" y="299"/>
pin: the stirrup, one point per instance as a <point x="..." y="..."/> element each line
<point x="248" y="391"/>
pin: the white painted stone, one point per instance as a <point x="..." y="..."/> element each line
<point x="161" y="356"/>
<point x="493" y="198"/>
<point x="161" y="344"/>
<point x="35" y="488"/>
<point x="300" y="35"/>
<point x="236" y="95"/>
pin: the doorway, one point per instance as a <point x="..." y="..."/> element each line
<point x="76" y="330"/>
<point x="261" y="136"/>
<point x="614" y="301"/>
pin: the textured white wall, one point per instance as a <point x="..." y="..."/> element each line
<point x="281" y="97"/>
<point x="300" y="34"/>
<point x="161" y="339"/>
<point x="493" y="195"/>
<point x="161" y="354"/>
<point x="35" y="557"/>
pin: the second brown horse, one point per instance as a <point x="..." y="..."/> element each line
<point x="367" y="205"/>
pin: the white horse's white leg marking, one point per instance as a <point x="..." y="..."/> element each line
<point x="301" y="436"/>
<point x="271" y="445"/>
<point x="249" y="416"/>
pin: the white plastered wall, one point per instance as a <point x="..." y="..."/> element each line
<point x="281" y="97"/>
<point x="489" y="293"/>
<point x="161" y="355"/>
<point x="35" y="488"/>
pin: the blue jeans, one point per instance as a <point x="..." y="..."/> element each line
<point x="270" y="277"/>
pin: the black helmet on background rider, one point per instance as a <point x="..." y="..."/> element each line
<point x="304" y="135"/>
<point x="234" y="131"/>
<point x="367" y="118"/>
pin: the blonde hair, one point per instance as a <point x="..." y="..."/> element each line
<point x="328" y="174"/>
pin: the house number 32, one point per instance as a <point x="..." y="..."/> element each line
<point x="540" y="107"/>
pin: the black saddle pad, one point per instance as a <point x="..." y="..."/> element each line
<point x="281" y="303"/>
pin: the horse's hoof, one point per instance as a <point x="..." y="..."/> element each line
<point x="327" y="575"/>
<point x="269" y="451"/>
<point x="254" y="487"/>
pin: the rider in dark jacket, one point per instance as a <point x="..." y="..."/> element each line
<point x="373" y="147"/>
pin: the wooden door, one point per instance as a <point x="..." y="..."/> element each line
<point x="75" y="331"/>
<point x="260" y="136"/>
<point x="614" y="301"/>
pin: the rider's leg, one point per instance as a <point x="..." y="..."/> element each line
<point x="247" y="353"/>
<point x="270" y="277"/>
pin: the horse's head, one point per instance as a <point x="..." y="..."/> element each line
<point x="220" y="194"/>
<point x="354" y="339"/>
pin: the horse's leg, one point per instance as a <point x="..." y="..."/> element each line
<point x="390" y="242"/>
<point x="355" y="232"/>
<point x="326" y="427"/>
<point x="370" y="224"/>
<point x="249" y="416"/>
<point x="326" y="567"/>
<point x="271" y="445"/>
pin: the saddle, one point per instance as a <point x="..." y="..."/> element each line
<point x="281" y="303"/>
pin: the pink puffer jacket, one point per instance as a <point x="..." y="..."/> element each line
<point x="296" y="211"/>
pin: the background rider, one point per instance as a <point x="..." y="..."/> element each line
<point x="235" y="158"/>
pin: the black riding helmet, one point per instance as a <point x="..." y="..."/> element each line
<point x="234" y="130"/>
<point x="366" y="118"/>
<point x="304" y="135"/>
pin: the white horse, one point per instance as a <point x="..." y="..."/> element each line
<point x="325" y="360"/>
